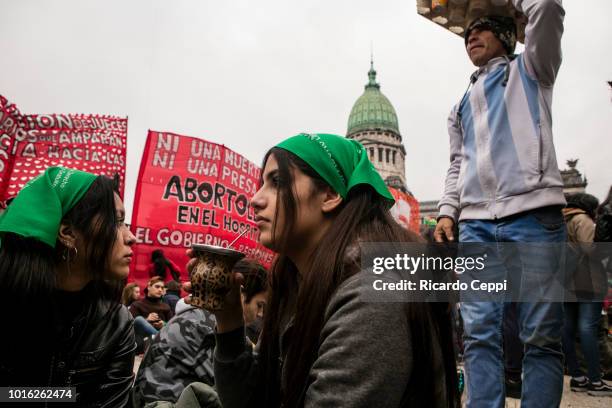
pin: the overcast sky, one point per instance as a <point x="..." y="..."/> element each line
<point x="249" y="73"/>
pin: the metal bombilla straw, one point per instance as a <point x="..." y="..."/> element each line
<point x="237" y="238"/>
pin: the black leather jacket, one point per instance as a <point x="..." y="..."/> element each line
<point x="94" y="354"/>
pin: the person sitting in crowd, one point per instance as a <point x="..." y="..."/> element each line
<point x="321" y="345"/>
<point x="131" y="293"/>
<point x="172" y="295"/>
<point x="603" y="228"/>
<point x="589" y="282"/>
<point x="64" y="255"/>
<point x="603" y="233"/>
<point x="181" y="354"/>
<point x="150" y="314"/>
<point x="160" y="266"/>
<point x="254" y="297"/>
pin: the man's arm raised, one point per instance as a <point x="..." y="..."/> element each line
<point x="542" y="38"/>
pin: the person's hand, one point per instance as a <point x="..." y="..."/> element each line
<point x="444" y="230"/>
<point x="158" y="324"/>
<point x="230" y="318"/>
<point x="152" y="317"/>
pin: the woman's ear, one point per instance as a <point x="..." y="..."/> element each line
<point x="66" y="236"/>
<point x="331" y="201"/>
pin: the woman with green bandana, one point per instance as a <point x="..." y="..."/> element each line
<point x="64" y="256"/>
<point x="321" y="346"/>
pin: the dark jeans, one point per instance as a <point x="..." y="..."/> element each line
<point x="540" y="323"/>
<point x="582" y="319"/>
<point x="513" y="347"/>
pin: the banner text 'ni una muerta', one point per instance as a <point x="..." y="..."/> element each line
<point x="192" y="191"/>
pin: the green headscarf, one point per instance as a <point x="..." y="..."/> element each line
<point x="342" y="162"/>
<point x="40" y="206"/>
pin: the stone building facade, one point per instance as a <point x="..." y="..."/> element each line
<point x="373" y="122"/>
<point x="573" y="181"/>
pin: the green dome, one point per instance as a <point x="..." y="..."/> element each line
<point x="372" y="110"/>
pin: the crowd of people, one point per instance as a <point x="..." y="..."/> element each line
<point x="301" y="334"/>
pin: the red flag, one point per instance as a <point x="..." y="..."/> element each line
<point x="92" y="143"/>
<point x="406" y="210"/>
<point x="190" y="191"/>
<point x="31" y="143"/>
<point x="10" y="123"/>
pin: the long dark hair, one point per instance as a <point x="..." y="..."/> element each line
<point x="255" y="278"/>
<point x="28" y="266"/>
<point x="363" y="214"/>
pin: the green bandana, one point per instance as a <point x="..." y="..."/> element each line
<point x="42" y="203"/>
<point x="342" y="162"/>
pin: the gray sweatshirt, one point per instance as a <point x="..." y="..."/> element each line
<point x="502" y="158"/>
<point x="365" y="358"/>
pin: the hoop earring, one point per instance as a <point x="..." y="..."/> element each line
<point x="76" y="252"/>
<point x="67" y="254"/>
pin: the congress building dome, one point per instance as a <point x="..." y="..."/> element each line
<point x="373" y="122"/>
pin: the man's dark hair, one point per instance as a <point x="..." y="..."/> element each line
<point x="255" y="278"/>
<point x="502" y="27"/>
<point x="584" y="202"/>
<point x="173" y="287"/>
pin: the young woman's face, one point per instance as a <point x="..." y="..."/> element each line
<point x="271" y="220"/>
<point x="136" y="293"/>
<point x="121" y="254"/>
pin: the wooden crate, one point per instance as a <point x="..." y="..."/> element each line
<point x="455" y="15"/>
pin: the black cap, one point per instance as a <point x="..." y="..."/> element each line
<point x="502" y="27"/>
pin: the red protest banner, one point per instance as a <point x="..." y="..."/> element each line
<point x="189" y="191"/>
<point x="406" y="210"/>
<point x="93" y="143"/>
<point x="10" y="121"/>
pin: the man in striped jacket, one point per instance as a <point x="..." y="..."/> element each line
<point x="504" y="185"/>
